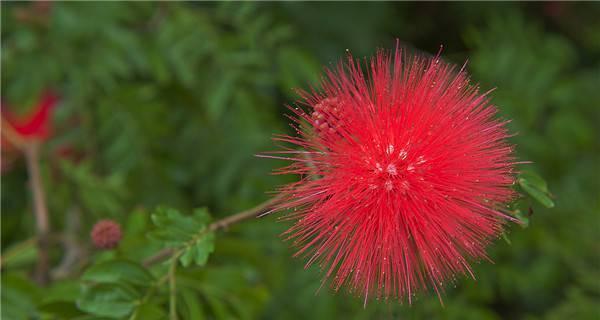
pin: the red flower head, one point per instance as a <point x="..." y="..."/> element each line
<point x="404" y="172"/>
<point x="106" y="234"/>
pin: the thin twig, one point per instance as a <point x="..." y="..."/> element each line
<point x="173" y="287"/>
<point x="40" y="210"/>
<point x="74" y="253"/>
<point x="162" y="255"/>
<point x="218" y="225"/>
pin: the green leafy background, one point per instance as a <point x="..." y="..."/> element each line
<point x="166" y="104"/>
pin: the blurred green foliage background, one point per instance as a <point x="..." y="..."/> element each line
<point x="167" y="104"/>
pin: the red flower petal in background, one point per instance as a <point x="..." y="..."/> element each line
<point x="37" y="123"/>
<point x="19" y="130"/>
<point x="404" y="171"/>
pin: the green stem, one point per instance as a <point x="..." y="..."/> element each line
<point x="173" y="285"/>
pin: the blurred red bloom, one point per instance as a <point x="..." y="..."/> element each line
<point x="35" y="126"/>
<point x="404" y="173"/>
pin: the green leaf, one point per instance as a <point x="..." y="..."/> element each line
<point x="19" y="254"/>
<point x="150" y="311"/>
<point x="62" y="291"/>
<point x="191" y="307"/>
<point x="534" y="180"/>
<point x="60" y="309"/>
<point x="201" y="216"/>
<point x="173" y="228"/>
<point x="118" y="271"/>
<point x="536" y="187"/>
<point x="189" y="233"/>
<point x="199" y="251"/>
<point x="19" y="297"/>
<point x="88" y="317"/>
<point x="108" y="300"/>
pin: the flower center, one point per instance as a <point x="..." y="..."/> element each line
<point x="396" y="171"/>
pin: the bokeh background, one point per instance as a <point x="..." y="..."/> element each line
<point x="167" y="104"/>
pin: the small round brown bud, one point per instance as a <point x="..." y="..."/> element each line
<point x="106" y="234"/>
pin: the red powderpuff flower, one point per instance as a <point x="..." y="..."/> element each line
<point x="106" y="234"/>
<point x="404" y="173"/>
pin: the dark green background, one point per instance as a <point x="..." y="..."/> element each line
<point x="167" y="104"/>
